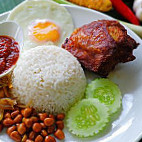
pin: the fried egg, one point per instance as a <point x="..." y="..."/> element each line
<point x="43" y="22"/>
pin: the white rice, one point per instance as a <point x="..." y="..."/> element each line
<point x="50" y="78"/>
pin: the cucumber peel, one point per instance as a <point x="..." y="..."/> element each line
<point x="106" y="92"/>
<point x="87" y="118"/>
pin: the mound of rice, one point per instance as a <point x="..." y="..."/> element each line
<point x="48" y="77"/>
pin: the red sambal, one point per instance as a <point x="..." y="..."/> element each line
<point x="9" y="53"/>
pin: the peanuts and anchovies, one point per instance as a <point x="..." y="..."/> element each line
<point x="28" y="126"/>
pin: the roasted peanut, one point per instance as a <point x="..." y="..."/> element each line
<point x="1" y="127"/>
<point x="32" y="135"/>
<point x="18" y="118"/>
<point x="16" y="136"/>
<point x="28" y="122"/>
<point x="48" y="121"/>
<point x="39" y="138"/>
<point x="43" y="125"/>
<point x="60" y="116"/>
<point x="27" y="112"/>
<point x="51" y="116"/>
<point x="7" y="115"/>
<point x="42" y="116"/>
<point x="51" y="129"/>
<point x="60" y="124"/>
<point x="21" y="128"/>
<point x="22" y="112"/>
<point x="49" y="139"/>
<point x="25" y="137"/>
<point x="8" y="122"/>
<point x="37" y="127"/>
<point x="59" y="134"/>
<point x="11" y="129"/>
<point x="15" y="113"/>
<point x="34" y="119"/>
<point x="44" y="133"/>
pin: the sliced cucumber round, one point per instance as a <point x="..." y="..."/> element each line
<point x="106" y="92"/>
<point x="87" y="118"/>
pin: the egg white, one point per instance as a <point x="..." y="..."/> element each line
<point x="31" y="10"/>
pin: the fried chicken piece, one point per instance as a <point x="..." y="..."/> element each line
<point x="101" y="5"/>
<point x="101" y="45"/>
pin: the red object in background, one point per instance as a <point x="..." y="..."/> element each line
<point x="125" y="11"/>
<point x="9" y="53"/>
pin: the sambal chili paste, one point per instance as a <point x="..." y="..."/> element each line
<point x="9" y="53"/>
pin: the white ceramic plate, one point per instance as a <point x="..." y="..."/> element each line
<point x="128" y="126"/>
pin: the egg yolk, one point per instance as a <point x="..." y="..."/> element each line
<point x="46" y="31"/>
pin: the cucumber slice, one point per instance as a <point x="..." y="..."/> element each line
<point x="87" y="118"/>
<point x="107" y="92"/>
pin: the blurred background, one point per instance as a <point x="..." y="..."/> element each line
<point x="6" y="5"/>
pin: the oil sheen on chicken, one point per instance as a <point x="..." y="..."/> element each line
<point x="101" y="45"/>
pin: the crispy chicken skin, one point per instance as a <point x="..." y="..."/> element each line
<point x="100" y="45"/>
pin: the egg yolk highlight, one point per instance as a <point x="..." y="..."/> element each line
<point x="46" y="31"/>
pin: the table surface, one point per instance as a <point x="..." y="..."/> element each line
<point x="6" y="5"/>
